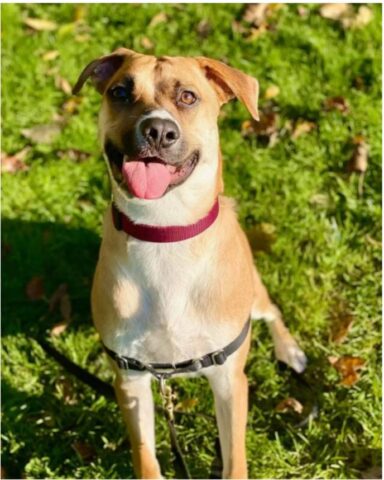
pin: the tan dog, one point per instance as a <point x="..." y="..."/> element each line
<point x="175" y="301"/>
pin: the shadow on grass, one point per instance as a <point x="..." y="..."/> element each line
<point x="56" y="252"/>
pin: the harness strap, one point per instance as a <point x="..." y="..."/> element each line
<point x="167" y="370"/>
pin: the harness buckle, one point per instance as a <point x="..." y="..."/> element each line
<point x="219" y="357"/>
<point x="122" y="363"/>
<point x="196" y="365"/>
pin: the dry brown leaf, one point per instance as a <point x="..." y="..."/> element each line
<point x="302" y="11"/>
<point x="261" y="237"/>
<point x="84" y="450"/>
<point x="63" y="84"/>
<point x="147" y="43"/>
<point x="237" y="27"/>
<point x="74" y="154"/>
<point x="160" y="17"/>
<point x="302" y="127"/>
<point x="359" y="160"/>
<point x="39" y="24"/>
<point x="43" y="133"/>
<point x="50" y="55"/>
<point x="348" y="367"/>
<point x="335" y="11"/>
<point x="289" y="404"/>
<point x="358" y="20"/>
<point x="66" y="388"/>
<point x="186" y="404"/>
<point x="35" y="288"/>
<point x="342" y="321"/>
<point x="271" y="92"/>
<point x="80" y="13"/>
<point x="204" y="28"/>
<point x="66" y="308"/>
<point x="6" y="249"/>
<point x="14" y="163"/>
<point x="59" y="328"/>
<point x="82" y="37"/>
<point x="71" y="105"/>
<point x="337" y="103"/>
<point x="57" y="296"/>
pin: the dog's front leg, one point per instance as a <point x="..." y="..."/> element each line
<point x="134" y="396"/>
<point x="230" y="389"/>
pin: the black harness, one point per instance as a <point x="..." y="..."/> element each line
<point x="163" y="371"/>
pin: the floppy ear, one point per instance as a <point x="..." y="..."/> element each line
<point x="230" y="82"/>
<point x="101" y="70"/>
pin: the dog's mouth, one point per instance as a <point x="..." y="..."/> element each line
<point x="148" y="177"/>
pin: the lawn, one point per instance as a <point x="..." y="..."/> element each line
<point x="311" y="207"/>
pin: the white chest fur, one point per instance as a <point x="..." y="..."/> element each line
<point x="160" y="296"/>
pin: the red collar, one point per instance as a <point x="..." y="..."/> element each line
<point x="156" y="234"/>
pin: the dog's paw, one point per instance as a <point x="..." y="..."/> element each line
<point x="290" y="353"/>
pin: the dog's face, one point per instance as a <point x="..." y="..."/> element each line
<point x="158" y="121"/>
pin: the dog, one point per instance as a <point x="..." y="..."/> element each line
<point x="175" y="282"/>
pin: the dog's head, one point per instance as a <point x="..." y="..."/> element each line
<point x="158" y="121"/>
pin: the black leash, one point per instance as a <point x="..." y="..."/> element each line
<point x="106" y="389"/>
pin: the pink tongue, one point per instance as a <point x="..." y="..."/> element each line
<point x="146" y="180"/>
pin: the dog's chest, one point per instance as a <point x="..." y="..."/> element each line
<point x="161" y="301"/>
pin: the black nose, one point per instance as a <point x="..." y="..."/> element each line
<point x="160" y="133"/>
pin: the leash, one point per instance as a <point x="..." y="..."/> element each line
<point x="163" y="371"/>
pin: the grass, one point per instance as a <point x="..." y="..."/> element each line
<point x="326" y="250"/>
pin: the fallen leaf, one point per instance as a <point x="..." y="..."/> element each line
<point x="337" y="103"/>
<point x="237" y="27"/>
<point x="84" y="450"/>
<point x="266" y="128"/>
<point x="67" y="390"/>
<point x="6" y="249"/>
<point x="71" y="105"/>
<point x="63" y="84"/>
<point x="346" y="15"/>
<point x="204" y="28"/>
<point x="359" y="160"/>
<point x="257" y="13"/>
<point x="59" y="328"/>
<point x="82" y="37"/>
<point x="66" y="308"/>
<point x="43" y="133"/>
<point x="335" y="11"/>
<point x="348" y="367"/>
<point x="35" y="288"/>
<point x="50" y="55"/>
<point x="40" y="24"/>
<point x="147" y="43"/>
<point x="372" y="473"/>
<point x="80" y="13"/>
<point x="302" y="11"/>
<point x="289" y="404"/>
<point x="319" y="199"/>
<point x="15" y="162"/>
<point x="161" y="17"/>
<point x="57" y="296"/>
<point x="302" y="127"/>
<point x="363" y="16"/>
<point x="271" y="92"/>
<point x="261" y="237"/>
<point x="186" y="404"/>
<point x="74" y="154"/>
<point x="341" y="321"/>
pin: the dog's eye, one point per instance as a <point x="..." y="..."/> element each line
<point x="187" y="98"/>
<point x="120" y="93"/>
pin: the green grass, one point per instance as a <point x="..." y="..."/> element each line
<point x="325" y="252"/>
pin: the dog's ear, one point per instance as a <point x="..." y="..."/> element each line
<point x="101" y="70"/>
<point x="230" y="83"/>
